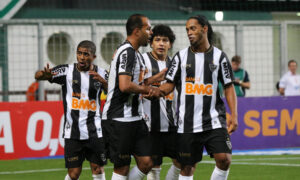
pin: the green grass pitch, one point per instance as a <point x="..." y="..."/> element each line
<point x="275" y="167"/>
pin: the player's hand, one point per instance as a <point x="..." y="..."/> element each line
<point x="47" y="72"/>
<point x="96" y="76"/>
<point x="153" y="92"/>
<point x="161" y="75"/>
<point x="232" y="124"/>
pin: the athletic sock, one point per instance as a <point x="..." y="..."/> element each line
<point x="219" y="174"/>
<point x="173" y="173"/>
<point x="116" y="176"/>
<point x="136" y="174"/>
<point x="154" y="174"/>
<point x="99" y="176"/>
<point x="181" y="177"/>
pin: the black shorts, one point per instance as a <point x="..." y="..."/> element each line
<point x="163" y="145"/>
<point x="76" y="151"/>
<point x="126" y="139"/>
<point x="106" y="129"/>
<point x="190" y="145"/>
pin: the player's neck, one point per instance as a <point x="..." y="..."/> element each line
<point x="134" y="43"/>
<point x="158" y="57"/>
<point x="91" y="67"/>
<point x="202" y="47"/>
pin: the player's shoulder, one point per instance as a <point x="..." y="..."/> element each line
<point x="61" y="68"/>
<point x="126" y="46"/>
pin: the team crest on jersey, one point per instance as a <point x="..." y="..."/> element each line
<point x="97" y="85"/>
<point x="212" y="67"/>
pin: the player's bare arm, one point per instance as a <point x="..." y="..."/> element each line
<point x="45" y="74"/>
<point x="230" y="95"/>
<point x="126" y="85"/>
<point x="97" y="77"/>
<point x="157" y="77"/>
<point x="167" y="88"/>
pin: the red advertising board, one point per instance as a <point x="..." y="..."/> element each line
<point x="31" y="129"/>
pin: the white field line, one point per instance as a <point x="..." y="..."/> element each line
<point x="234" y="162"/>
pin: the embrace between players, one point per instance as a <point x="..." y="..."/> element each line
<point x="155" y="107"/>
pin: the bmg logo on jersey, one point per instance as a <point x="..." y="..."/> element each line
<point x="200" y="89"/>
<point x="84" y="104"/>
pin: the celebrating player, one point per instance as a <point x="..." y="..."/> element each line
<point x="82" y="84"/>
<point x="196" y="71"/>
<point x="159" y="113"/>
<point x="124" y="129"/>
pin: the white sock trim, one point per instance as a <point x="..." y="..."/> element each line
<point x="181" y="177"/>
<point x="221" y="172"/>
<point x="116" y="176"/>
<point x="99" y="176"/>
<point x="68" y="177"/>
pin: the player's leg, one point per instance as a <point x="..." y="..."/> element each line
<point x="95" y="154"/>
<point x="190" y="149"/>
<point x="106" y="130"/>
<point x="219" y="146"/>
<point x="156" y="155"/>
<point x="169" y="142"/>
<point x="121" y="142"/>
<point x="141" y="151"/>
<point x="73" y="158"/>
<point x="174" y="170"/>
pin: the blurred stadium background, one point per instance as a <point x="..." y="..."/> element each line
<point x="265" y="33"/>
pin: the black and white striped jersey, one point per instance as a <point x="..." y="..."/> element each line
<point x="196" y="76"/>
<point x="159" y="114"/>
<point x="122" y="106"/>
<point x="81" y="100"/>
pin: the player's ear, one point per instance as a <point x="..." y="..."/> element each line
<point x="136" y="31"/>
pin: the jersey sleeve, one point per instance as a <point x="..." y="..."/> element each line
<point x="127" y="61"/>
<point x="225" y="71"/>
<point x="246" y="79"/>
<point x="283" y="82"/>
<point x="173" y="72"/>
<point x="60" y="77"/>
<point x="103" y="73"/>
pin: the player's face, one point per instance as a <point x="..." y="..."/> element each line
<point x="145" y="32"/>
<point x="195" y="32"/>
<point x="84" y="58"/>
<point x="293" y="67"/>
<point x="160" y="45"/>
<point x="235" y="66"/>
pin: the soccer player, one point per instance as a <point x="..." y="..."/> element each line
<point x="159" y="113"/>
<point x="125" y="130"/>
<point x="196" y="71"/>
<point x="82" y="84"/>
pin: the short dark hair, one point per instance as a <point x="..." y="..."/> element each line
<point x="163" y="30"/>
<point x="87" y="44"/>
<point x="134" y="21"/>
<point x="236" y="59"/>
<point x="202" y="20"/>
<point x="292" y="61"/>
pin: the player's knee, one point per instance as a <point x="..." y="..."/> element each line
<point x="146" y="165"/>
<point x="187" y="170"/>
<point x="97" y="170"/>
<point x="74" y="173"/>
<point x="223" y="163"/>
